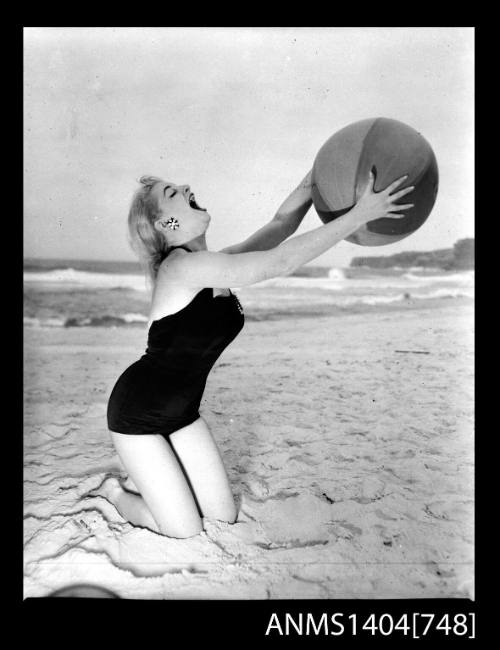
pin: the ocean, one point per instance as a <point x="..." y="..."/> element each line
<point x="82" y="293"/>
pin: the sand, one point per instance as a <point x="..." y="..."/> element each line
<point x="352" y="463"/>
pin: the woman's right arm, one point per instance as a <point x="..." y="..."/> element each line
<point x="208" y="269"/>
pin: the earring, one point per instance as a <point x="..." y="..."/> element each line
<point x="172" y="223"/>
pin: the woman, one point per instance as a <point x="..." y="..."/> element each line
<point x="176" y="471"/>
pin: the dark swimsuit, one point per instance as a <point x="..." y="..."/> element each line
<point x="161" y="392"/>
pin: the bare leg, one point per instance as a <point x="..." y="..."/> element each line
<point x="129" y="486"/>
<point x="154" y="469"/>
<point x="131" y="507"/>
<point x="199" y="455"/>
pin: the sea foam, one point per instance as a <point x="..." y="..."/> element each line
<point x="69" y="277"/>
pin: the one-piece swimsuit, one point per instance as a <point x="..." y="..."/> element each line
<point x="161" y="392"/>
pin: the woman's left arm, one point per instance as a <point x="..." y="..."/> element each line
<point x="284" y="223"/>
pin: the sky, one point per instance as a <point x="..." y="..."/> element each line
<point x="237" y="113"/>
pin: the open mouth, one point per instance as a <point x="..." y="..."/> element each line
<point x="194" y="205"/>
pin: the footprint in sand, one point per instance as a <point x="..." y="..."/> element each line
<point x="259" y="488"/>
<point x="296" y="519"/>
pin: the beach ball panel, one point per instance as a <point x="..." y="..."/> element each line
<point x="368" y="238"/>
<point x="336" y="164"/>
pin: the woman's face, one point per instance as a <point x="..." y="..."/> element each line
<point x="178" y="201"/>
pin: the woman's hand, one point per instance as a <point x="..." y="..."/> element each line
<point x="376" y="205"/>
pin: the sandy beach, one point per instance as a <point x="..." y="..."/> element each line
<point x="344" y="409"/>
<point x="348" y="442"/>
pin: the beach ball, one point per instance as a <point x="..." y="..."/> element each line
<point x="392" y="149"/>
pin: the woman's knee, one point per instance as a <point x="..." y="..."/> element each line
<point x="182" y="530"/>
<point x="226" y="512"/>
<point x="176" y="519"/>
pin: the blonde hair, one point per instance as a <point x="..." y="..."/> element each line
<point x="144" y="239"/>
